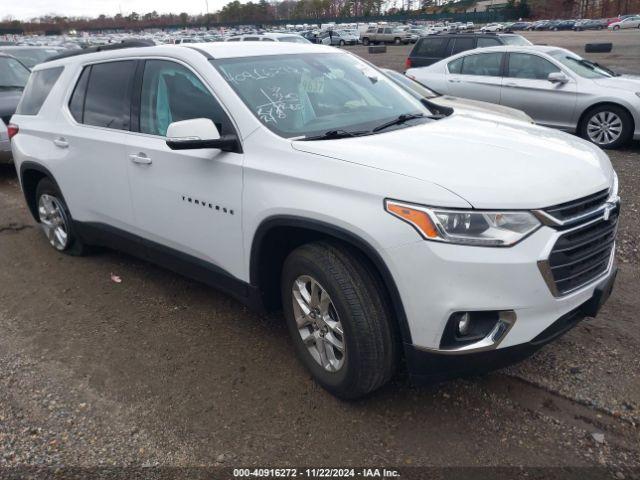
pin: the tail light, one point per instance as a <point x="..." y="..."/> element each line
<point x="407" y="63"/>
<point x="12" y="130"/>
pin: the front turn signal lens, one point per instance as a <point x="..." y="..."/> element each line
<point x="419" y="219"/>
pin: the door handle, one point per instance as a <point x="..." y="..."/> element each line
<point x="61" y="142"/>
<point x="140" y="159"/>
<point x="511" y="84"/>
<point x="454" y="80"/>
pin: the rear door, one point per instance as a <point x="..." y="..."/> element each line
<point x="477" y="76"/>
<point x="94" y="141"/>
<point x="526" y="87"/>
<point x="428" y="50"/>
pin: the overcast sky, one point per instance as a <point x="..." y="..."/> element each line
<point x="27" y="9"/>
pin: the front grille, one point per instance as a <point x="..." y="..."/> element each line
<point x="582" y="254"/>
<point x="578" y="208"/>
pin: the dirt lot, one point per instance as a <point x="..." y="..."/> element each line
<point x="159" y="370"/>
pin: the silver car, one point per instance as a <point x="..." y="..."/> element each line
<point x="554" y="86"/>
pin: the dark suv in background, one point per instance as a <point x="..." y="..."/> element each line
<point x="434" y="48"/>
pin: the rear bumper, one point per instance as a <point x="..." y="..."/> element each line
<point x="426" y="367"/>
<point x="5" y="151"/>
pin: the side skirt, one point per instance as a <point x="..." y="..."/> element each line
<point x="99" y="234"/>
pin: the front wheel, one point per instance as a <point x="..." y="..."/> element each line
<point x="339" y="323"/>
<point x="365" y="41"/>
<point x="608" y="126"/>
<point x="341" y="43"/>
<point x="55" y="219"/>
<point x="397" y="41"/>
<point x="617" y="27"/>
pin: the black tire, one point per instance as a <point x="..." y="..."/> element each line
<point x="625" y="117"/>
<point x="397" y="41"/>
<point x="365" y="41"/>
<point x="617" y="27"/>
<point x="74" y="246"/>
<point x="341" y="43"/>
<point x="369" y="336"/>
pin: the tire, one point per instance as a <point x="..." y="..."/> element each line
<point x="365" y="41"/>
<point x="368" y="338"/>
<point x="341" y="43"/>
<point x="54" y="218"/>
<point x="555" y="29"/>
<point x="397" y="41"/>
<point x="595" y="116"/>
<point x="617" y="27"/>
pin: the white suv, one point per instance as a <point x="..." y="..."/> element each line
<point x="299" y="177"/>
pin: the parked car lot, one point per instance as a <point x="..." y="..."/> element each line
<point x="158" y="346"/>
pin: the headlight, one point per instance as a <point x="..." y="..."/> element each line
<point x="614" y="187"/>
<point x="466" y="227"/>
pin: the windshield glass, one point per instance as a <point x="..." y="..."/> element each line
<point x="516" y="40"/>
<point x="582" y="67"/>
<point x="32" y="56"/>
<point x="12" y="73"/>
<point x="308" y="94"/>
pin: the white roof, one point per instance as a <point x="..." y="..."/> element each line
<point x="214" y="49"/>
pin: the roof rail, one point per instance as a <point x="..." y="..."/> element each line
<point x="101" y="48"/>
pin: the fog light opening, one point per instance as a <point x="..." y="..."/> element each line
<point x="464" y="324"/>
<point x="474" y="327"/>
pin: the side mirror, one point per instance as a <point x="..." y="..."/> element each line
<point x="557" y="77"/>
<point x="199" y="133"/>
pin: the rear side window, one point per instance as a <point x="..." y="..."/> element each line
<point x="431" y="47"/>
<point x="485" y="64"/>
<point x="462" y="44"/>
<point x="108" y="99"/>
<point x="76" y="104"/>
<point x="38" y="87"/>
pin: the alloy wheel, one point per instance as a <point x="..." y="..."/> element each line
<point x="604" y="128"/>
<point x="53" y="221"/>
<point x="318" y="323"/>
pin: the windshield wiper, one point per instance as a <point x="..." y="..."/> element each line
<point x="333" y="134"/>
<point x="398" y="120"/>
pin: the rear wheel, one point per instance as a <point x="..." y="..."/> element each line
<point x="608" y="126"/>
<point x="365" y="41"/>
<point x="340" y="326"/>
<point x="341" y="43"/>
<point x="397" y="41"/>
<point x="55" y="219"/>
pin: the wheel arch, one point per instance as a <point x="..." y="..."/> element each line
<point x="30" y="175"/>
<point x="277" y="236"/>
<point x="602" y="103"/>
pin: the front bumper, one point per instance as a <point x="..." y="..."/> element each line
<point x="437" y="281"/>
<point x="426" y="366"/>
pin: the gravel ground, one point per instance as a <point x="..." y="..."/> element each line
<point x="159" y="370"/>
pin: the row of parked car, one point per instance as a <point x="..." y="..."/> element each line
<point x="616" y="23"/>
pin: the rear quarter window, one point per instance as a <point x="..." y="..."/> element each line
<point x="37" y="90"/>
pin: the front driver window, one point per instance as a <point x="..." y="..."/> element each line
<point x="524" y="65"/>
<point x="170" y="93"/>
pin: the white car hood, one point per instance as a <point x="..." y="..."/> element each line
<point x="629" y="83"/>
<point x="489" y="163"/>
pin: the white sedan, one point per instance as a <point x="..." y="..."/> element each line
<point x="554" y="86"/>
<point x="492" y="27"/>
<point x="629" y="22"/>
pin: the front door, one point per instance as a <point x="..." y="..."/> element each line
<point x="527" y="88"/>
<point x="187" y="200"/>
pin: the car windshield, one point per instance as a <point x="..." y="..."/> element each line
<point x="32" y="56"/>
<point x="305" y="95"/>
<point x="12" y="73"/>
<point x="582" y="67"/>
<point x="516" y="40"/>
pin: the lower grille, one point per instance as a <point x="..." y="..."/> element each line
<point x="582" y="254"/>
